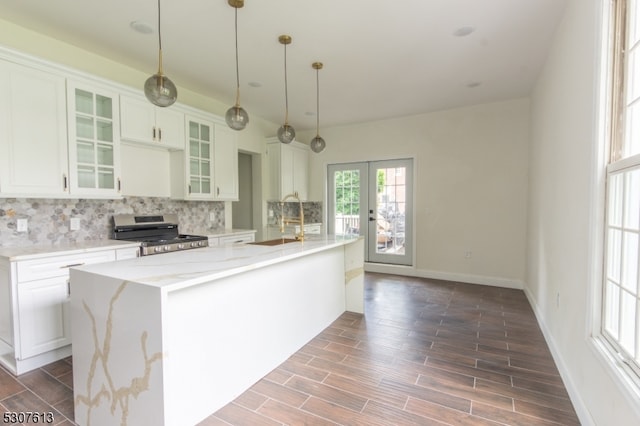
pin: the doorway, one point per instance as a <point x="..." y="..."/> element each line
<point x="374" y="199"/>
<point x="242" y="210"/>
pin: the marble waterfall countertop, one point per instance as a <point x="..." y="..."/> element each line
<point x="177" y="270"/>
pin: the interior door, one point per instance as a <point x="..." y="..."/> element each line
<point x="374" y="199"/>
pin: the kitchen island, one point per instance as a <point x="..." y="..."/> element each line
<point x="171" y="338"/>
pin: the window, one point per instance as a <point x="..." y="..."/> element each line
<point x="621" y="279"/>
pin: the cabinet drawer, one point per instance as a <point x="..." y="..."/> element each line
<point x="240" y="238"/>
<point x="56" y="266"/>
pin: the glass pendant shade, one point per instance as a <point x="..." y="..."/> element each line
<point x="318" y="144"/>
<point x="160" y="91"/>
<point x="286" y="133"/>
<point x="236" y="117"/>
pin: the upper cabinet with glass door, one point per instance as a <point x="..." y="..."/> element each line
<point x="93" y="140"/>
<point x="192" y="169"/>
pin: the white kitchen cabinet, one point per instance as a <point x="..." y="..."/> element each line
<point x="33" y="132"/>
<point x="143" y="122"/>
<point x="34" y="324"/>
<point x="94" y="139"/>
<point x="192" y="170"/>
<point x="225" y="159"/>
<point x="288" y="164"/>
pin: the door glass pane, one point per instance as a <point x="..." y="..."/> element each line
<point x="86" y="152"/>
<point x="194" y="167"/>
<point x="390" y="210"/>
<point x="105" y="155"/>
<point x="205" y="133"/>
<point x="106" y="179"/>
<point x="204" y="150"/>
<point x="84" y="102"/>
<point x="194" y="130"/>
<point x="84" y="127"/>
<point x="104" y="131"/>
<point x="206" y="186"/>
<point x="628" y="322"/>
<point x="205" y="168"/>
<point x="86" y="177"/>
<point x="347" y="202"/>
<point x="195" y="185"/>
<point x="103" y="107"/>
<point x="194" y="148"/>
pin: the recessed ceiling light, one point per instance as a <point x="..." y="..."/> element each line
<point x="141" y="27"/>
<point x="255" y="84"/>
<point x="463" y="31"/>
<point x="473" y="84"/>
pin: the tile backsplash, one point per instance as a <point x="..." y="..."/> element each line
<point x="312" y="211"/>
<point x="48" y="220"/>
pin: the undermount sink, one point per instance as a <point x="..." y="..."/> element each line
<point x="274" y="242"/>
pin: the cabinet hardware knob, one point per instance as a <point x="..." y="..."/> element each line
<point x="159" y="134"/>
<point x="64" y="181"/>
<point x="119" y="185"/>
<point x="154" y="133"/>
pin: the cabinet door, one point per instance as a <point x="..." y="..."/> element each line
<point x="141" y="121"/>
<point x="199" y="159"/>
<point x="43" y="312"/>
<point x="94" y="141"/>
<point x="137" y="120"/>
<point x="300" y="166"/>
<point x="226" y="164"/>
<point x="170" y="123"/>
<point x="33" y="127"/>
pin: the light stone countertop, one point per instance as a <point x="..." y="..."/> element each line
<point x="41" y="250"/>
<point x="182" y="269"/>
<point x="219" y="232"/>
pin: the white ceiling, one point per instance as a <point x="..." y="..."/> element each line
<point x="382" y="58"/>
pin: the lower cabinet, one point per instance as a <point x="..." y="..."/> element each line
<point x="35" y="295"/>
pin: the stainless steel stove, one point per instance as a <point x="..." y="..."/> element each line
<point x="155" y="233"/>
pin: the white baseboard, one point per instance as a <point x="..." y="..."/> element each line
<point x="439" y="275"/>
<point x="578" y="404"/>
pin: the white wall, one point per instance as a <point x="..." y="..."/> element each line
<point x="560" y="235"/>
<point x="471" y="184"/>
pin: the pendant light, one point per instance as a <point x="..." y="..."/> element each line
<point x="158" y="88"/>
<point x="286" y="133"/>
<point x="317" y="143"/>
<point x="236" y="117"/>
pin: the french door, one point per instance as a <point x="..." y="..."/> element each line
<point x="374" y="199"/>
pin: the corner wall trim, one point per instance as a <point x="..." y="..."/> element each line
<point x="578" y="404"/>
<point x="440" y="275"/>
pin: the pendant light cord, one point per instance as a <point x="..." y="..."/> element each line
<point x="317" y="101"/>
<point x="159" y="43"/>
<point x="237" y="66"/>
<point x="286" y="92"/>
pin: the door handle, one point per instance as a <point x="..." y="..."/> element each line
<point x="372" y="219"/>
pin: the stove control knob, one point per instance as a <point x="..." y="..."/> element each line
<point x="166" y="248"/>
<point x="157" y="249"/>
<point x="180" y="246"/>
<point x="194" y="244"/>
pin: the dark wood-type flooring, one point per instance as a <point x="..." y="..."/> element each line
<point x="426" y="352"/>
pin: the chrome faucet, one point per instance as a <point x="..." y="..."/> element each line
<point x="286" y="220"/>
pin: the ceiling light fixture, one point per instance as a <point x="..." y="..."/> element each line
<point x="158" y="88"/>
<point x="286" y="133"/>
<point x="236" y="117"/>
<point x="317" y="144"/>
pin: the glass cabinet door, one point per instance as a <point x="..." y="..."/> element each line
<point x="93" y="118"/>
<point x="199" y="159"/>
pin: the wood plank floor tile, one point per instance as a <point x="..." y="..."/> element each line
<point x="426" y="352"/>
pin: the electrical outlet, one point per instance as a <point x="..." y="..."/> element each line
<point x="74" y="224"/>
<point x="467" y="254"/>
<point x="22" y="225"/>
<point x="212" y="217"/>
